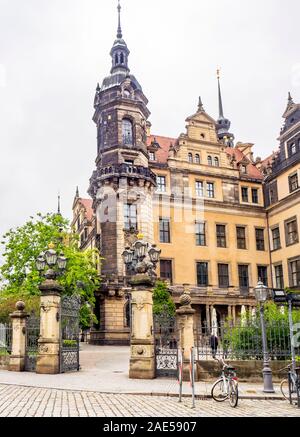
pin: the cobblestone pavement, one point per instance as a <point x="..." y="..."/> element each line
<point x="17" y="401"/>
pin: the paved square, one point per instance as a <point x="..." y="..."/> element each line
<point x="17" y="401"/>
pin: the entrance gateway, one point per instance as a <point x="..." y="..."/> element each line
<point x="69" y="334"/>
<point x="166" y="345"/>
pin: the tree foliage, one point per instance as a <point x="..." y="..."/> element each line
<point x="162" y="300"/>
<point x="19" y="276"/>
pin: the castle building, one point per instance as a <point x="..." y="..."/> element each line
<point x="222" y="219"/>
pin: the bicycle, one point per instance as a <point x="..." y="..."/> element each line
<point x="227" y="386"/>
<point x="290" y="388"/>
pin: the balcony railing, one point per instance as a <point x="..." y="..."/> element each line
<point x="127" y="170"/>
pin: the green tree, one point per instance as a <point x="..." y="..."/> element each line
<point x="162" y="300"/>
<point x="18" y="274"/>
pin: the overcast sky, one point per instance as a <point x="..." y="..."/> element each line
<point x="53" y="53"/>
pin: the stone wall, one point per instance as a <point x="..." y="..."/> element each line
<point x="247" y="371"/>
<point x="4" y="362"/>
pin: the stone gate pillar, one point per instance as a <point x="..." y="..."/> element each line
<point x="17" y="358"/>
<point x="49" y="341"/>
<point x="185" y="315"/>
<point x="142" y="356"/>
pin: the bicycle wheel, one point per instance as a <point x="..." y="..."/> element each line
<point x="219" y="392"/>
<point x="233" y="394"/>
<point x="285" y="390"/>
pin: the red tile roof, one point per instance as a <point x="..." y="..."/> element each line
<point x="162" y="154"/>
<point x="252" y="171"/>
<point x="88" y="205"/>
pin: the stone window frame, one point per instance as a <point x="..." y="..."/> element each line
<point x="221" y="235"/>
<point x="197" y="159"/>
<point x="275" y="266"/>
<point x="132" y="121"/>
<point x="255" y="199"/>
<point x="204" y="223"/>
<point x="258" y="249"/>
<point x="190" y="158"/>
<point x="286" y="224"/>
<point x="248" y="276"/>
<point x="171" y="261"/>
<point x="208" y="191"/>
<point x="263" y="266"/>
<point x="243" y="190"/>
<point x="132" y="224"/>
<point x="227" y="285"/>
<point x="198" y="191"/>
<point x="297" y="272"/>
<point x="152" y="156"/>
<point x="245" y="227"/>
<point x="274" y="228"/>
<point x="161" y="188"/>
<point x="163" y="231"/>
<point x="293" y="187"/>
<point x="207" y="275"/>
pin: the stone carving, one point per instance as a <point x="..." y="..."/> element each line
<point x="43" y="349"/>
<point x="140" y="302"/>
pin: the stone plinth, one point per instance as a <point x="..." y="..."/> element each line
<point x="17" y="358"/>
<point x="185" y="315"/>
<point x="49" y="341"/>
<point x="142" y="355"/>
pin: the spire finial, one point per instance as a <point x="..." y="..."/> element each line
<point x="119" y="34"/>
<point x="77" y="192"/>
<point x="290" y="98"/>
<point x="200" y="105"/>
<point x="58" y="205"/>
<point x="221" y="112"/>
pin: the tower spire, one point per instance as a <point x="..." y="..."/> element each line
<point x="58" y="205"/>
<point x="221" y="111"/>
<point x="119" y="33"/>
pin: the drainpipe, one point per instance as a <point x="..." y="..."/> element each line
<point x="270" y="251"/>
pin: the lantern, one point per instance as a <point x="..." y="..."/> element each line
<point x="261" y="292"/>
<point x="41" y="262"/>
<point x="154" y="254"/>
<point x="51" y="257"/>
<point x="62" y="262"/>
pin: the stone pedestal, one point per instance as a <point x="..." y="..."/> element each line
<point x="185" y="315"/>
<point x="49" y="341"/>
<point x="17" y="358"/>
<point x="142" y="355"/>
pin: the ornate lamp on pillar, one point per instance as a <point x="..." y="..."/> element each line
<point x="49" y="342"/>
<point x="141" y="261"/>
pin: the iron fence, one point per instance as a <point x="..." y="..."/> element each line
<point x="5" y="339"/>
<point x="243" y="341"/>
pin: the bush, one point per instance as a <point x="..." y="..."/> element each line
<point x="162" y="300"/>
<point x="8" y="306"/>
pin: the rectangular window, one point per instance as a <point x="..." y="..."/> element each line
<point x="276" y="238"/>
<point x="245" y="197"/>
<point x="244" y="277"/>
<point x="152" y="156"/>
<point x="199" y="189"/>
<point x="255" y="195"/>
<point x="200" y="234"/>
<point x="223" y="272"/>
<point x="241" y="237"/>
<point x="164" y="230"/>
<point x="291" y="230"/>
<point x="202" y="274"/>
<point x="262" y="274"/>
<point x="295" y="273"/>
<point x="260" y="239"/>
<point x="161" y="184"/>
<point x="279" y="277"/>
<point x="293" y="183"/>
<point x="221" y="236"/>
<point x="210" y="188"/>
<point x="130" y="217"/>
<point x="166" y="270"/>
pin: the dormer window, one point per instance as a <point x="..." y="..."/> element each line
<point x="152" y="156"/>
<point x="190" y="158"/>
<point x="293" y="149"/>
<point x="244" y="169"/>
<point x="127" y="132"/>
<point x="126" y="94"/>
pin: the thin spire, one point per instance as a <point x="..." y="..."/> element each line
<point x="119" y="34"/>
<point x="221" y="112"/>
<point x="290" y="98"/>
<point x="58" y="205"/>
<point x="200" y="105"/>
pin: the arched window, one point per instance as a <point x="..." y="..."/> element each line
<point x="190" y="158"/>
<point x="122" y="58"/>
<point x="217" y="163"/>
<point x="127" y="132"/>
<point x="197" y="159"/>
<point x="209" y="161"/>
<point x="127" y="94"/>
<point x="116" y="59"/>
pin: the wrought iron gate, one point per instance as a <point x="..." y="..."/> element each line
<point x="166" y="345"/>
<point x="69" y="334"/>
<point x="32" y="338"/>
